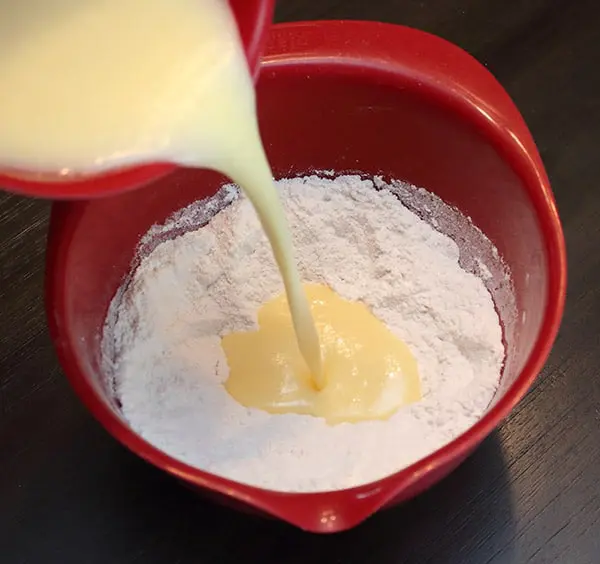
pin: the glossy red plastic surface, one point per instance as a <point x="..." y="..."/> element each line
<point x="254" y="19"/>
<point x="370" y="97"/>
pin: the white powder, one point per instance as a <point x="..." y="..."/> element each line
<point x="162" y="336"/>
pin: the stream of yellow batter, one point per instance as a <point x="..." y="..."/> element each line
<point x="92" y="85"/>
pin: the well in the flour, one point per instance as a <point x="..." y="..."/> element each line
<point x="370" y="373"/>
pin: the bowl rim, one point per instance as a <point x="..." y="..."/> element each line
<point x="291" y="44"/>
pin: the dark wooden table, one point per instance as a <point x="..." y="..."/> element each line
<point x="531" y="494"/>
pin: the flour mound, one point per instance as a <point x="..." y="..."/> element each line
<point x="162" y="335"/>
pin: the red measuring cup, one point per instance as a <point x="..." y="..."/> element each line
<point x="253" y="17"/>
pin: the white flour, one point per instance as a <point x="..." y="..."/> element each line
<point x="162" y="336"/>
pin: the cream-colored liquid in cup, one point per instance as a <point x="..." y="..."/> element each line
<point x="93" y="85"/>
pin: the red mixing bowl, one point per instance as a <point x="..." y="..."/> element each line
<point x="359" y="96"/>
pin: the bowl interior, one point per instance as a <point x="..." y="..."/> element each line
<point x="315" y="116"/>
<point x="341" y="123"/>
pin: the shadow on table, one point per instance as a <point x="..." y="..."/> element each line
<point x="86" y="499"/>
<point x="466" y="518"/>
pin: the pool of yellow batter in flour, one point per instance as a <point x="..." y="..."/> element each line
<point x="369" y="372"/>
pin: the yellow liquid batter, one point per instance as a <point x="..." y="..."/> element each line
<point x="92" y="85"/>
<point x="370" y="373"/>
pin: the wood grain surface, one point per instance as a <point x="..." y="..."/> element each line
<point x="531" y="494"/>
